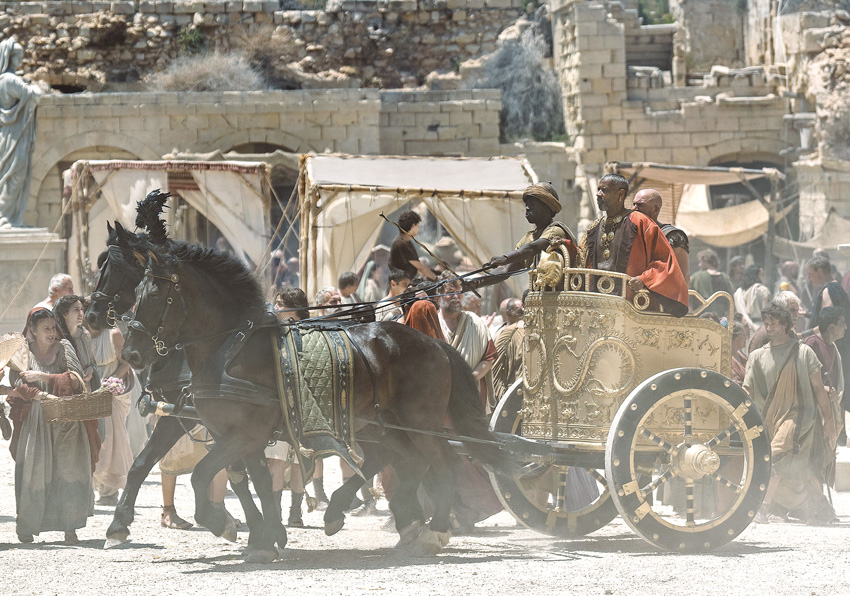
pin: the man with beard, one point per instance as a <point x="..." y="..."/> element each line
<point x="467" y="333"/>
<point x="626" y="241"/>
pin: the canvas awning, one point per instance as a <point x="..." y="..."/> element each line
<point x="233" y="195"/>
<point x="684" y="193"/>
<point x="477" y="200"/>
<point x="835" y="231"/>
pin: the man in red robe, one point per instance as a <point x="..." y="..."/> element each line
<point x="626" y="241"/>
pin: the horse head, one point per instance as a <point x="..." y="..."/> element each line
<point x="121" y="267"/>
<point x="160" y="314"/>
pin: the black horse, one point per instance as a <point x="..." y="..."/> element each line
<point x="120" y="273"/>
<point x="201" y="299"/>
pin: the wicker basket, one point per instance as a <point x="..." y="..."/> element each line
<point x="78" y="407"/>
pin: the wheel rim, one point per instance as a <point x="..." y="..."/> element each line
<point x="732" y="462"/>
<point x="538" y="495"/>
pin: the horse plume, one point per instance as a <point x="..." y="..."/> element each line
<point x="148" y="213"/>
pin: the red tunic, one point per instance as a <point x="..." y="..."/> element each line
<point x="641" y="250"/>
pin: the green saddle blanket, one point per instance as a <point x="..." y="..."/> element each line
<point x="315" y="376"/>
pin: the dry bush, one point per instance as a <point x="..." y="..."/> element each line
<point x="208" y="72"/>
<point x="531" y="95"/>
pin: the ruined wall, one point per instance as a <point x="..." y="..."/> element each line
<point x="149" y="125"/>
<point x="713" y="32"/>
<point x="387" y="44"/>
<point x="440" y="123"/>
<point x="732" y="116"/>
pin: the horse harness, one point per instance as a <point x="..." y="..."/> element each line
<point x="174" y="280"/>
<point x="115" y="255"/>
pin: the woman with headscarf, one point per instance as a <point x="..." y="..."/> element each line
<point x="18" y="101"/>
<point x="53" y="461"/>
<point x="69" y="312"/>
<point x="752" y="296"/>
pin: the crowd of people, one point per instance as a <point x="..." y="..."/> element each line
<point x="789" y="352"/>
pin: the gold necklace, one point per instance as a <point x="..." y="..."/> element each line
<point x="608" y="229"/>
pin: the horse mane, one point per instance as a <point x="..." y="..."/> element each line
<point x="243" y="289"/>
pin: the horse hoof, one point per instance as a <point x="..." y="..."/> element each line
<point x="114" y="541"/>
<point x="429" y="542"/>
<point x="335" y="526"/>
<point x="263" y="557"/>
<point x="229" y="533"/>
<point x="408" y="534"/>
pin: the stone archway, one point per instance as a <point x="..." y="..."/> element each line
<point x="45" y="206"/>
<point x="103" y="145"/>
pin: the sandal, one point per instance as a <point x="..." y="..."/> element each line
<point x="71" y="538"/>
<point x="170" y="519"/>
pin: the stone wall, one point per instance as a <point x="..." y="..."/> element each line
<point x="734" y="115"/>
<point x="555" y="163"/>
<point x="356" y="121"/>
<point x="713" y="32"/>
<point x="389" y="43"/>
<point x="440" y="123"/>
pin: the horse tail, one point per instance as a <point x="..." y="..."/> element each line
<point x="469" y="420"/>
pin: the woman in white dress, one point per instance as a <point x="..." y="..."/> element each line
<point x="116" y="457"/>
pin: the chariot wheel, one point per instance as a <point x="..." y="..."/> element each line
<point x="538" y="495"/>
<point x="660" y="432"/>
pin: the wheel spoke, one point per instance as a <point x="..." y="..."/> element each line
<point x="651" y="436"/>
<point x="689" y="501"/>
<point x="656" y="482"/>
<point x="721" y="436"/>
<point x="725" y="481"/>
<point x="688" y="412"/>
<point x="597" y="476"/>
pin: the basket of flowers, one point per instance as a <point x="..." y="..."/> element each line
<point x="82" y="406"/>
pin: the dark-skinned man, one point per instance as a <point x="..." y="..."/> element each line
<point x="648" y="201"/>
<point x="541" y="206"/>
<point x="626" y="241"/>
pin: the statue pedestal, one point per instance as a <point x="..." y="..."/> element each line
<point x="19" y="250"/>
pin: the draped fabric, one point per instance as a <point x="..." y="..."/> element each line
<point x="639" y="249"/>
<point x="423" y="317"/>
<point x="478" y="201"/>
<point x="472" y="339"/>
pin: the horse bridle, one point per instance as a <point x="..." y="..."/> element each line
<point x="98" y="296"/>
<point x="174" y="280"/>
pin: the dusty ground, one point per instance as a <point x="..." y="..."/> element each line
<point x="500" y="558"/>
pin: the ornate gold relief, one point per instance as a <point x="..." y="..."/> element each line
<point x="678" y="339"/>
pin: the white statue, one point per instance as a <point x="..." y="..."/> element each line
<point x="18" y="101"/>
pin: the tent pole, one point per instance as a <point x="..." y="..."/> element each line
<point x="770" y="237"/>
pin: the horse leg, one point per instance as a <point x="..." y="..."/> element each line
<point x="441" y="478"/>
<point x="238" y="477"/>
<point x="375" y="458"/>
<point x="213" y="518"/>
<point x="404" y="504"/>
<point x="167" y="432"/>
<point x="270" y="529"/>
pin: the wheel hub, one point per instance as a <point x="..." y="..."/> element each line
<point x="692" y="462"/>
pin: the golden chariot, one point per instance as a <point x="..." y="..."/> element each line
<point x="637" y="413"/>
